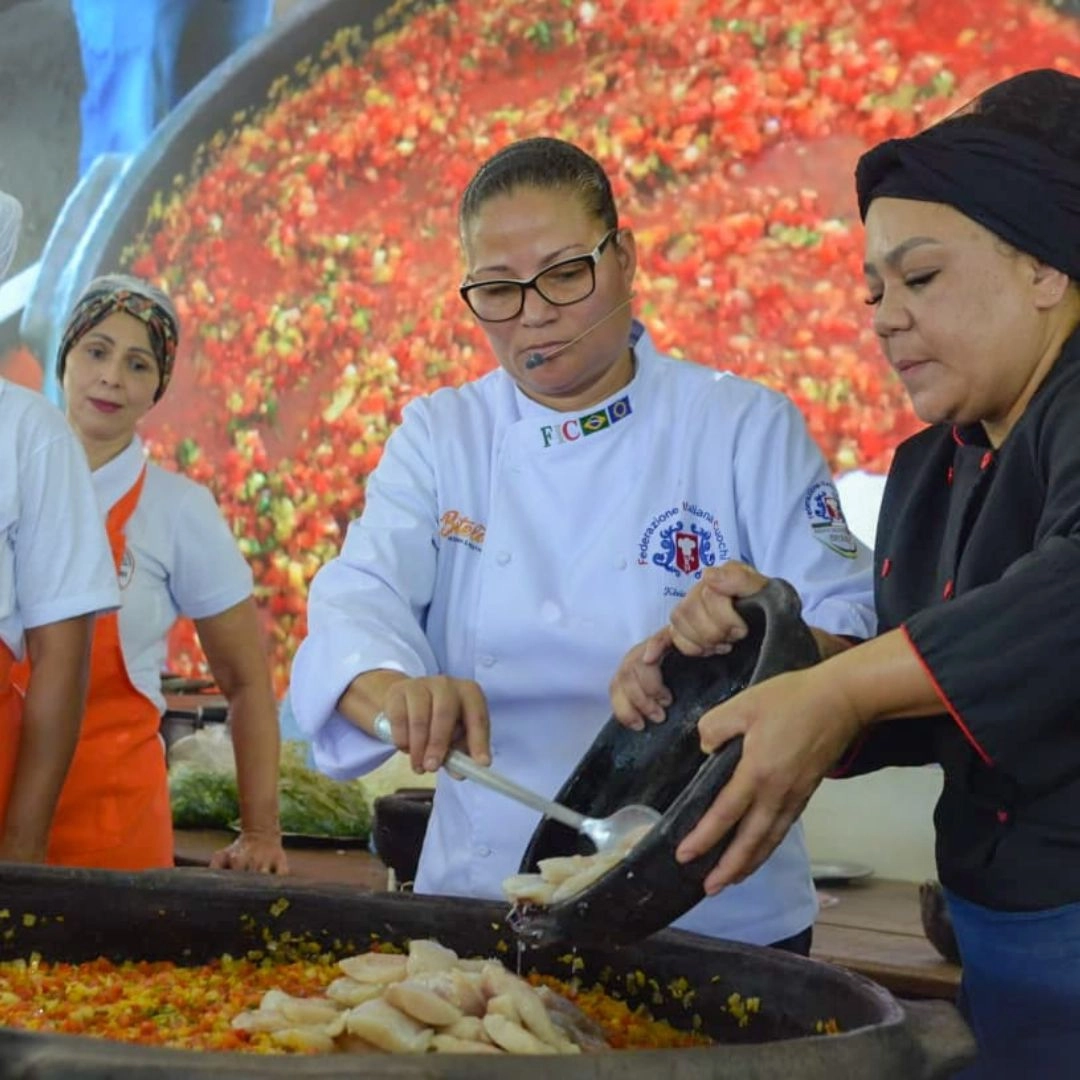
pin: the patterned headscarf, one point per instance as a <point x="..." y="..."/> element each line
<point x="120" y="292"/>
<point x="10" y="218"/>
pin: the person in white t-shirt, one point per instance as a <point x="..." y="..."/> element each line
<point x="55" y="575"/>
<point x="174" y="555"/>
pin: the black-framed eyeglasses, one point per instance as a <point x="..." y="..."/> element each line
<point x="567" y="281"/>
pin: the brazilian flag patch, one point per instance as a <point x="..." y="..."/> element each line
<point x="594" y="422"/>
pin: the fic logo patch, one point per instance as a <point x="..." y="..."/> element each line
<point x="570" y="431"/>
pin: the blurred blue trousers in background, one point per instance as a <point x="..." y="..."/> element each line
<point x="140" y="57"/>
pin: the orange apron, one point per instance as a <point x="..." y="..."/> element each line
<point x="113" y="812"/>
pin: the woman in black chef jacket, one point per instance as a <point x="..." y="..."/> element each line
<point x="972" y="270"/>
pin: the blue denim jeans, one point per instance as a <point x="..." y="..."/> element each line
<point x="1020" y="990"/>
<point x="129" y="54"/>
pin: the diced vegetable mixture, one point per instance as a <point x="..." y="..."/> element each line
<point x="162" y="1004"/>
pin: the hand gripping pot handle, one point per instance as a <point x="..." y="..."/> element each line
<point x="774" y="613"/>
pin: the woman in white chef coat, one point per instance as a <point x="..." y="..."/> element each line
<point x="522" y="532"/>
<point x="173" y="555"/>
<point x="55" y="575"/>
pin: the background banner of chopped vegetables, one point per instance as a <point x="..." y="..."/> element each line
<point x="314" y="260"/>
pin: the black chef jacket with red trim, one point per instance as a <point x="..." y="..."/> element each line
<point x="977" y="559"/>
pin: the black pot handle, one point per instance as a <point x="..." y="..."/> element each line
<point x="778" y="605"/>
<point x="787" y="644"/>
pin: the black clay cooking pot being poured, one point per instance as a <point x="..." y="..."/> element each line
<point x="663" y="767"/>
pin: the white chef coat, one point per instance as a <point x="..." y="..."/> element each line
<point x="54" y="557"/>
<point x="180" y="559"/>
<point x="529" y="549"/>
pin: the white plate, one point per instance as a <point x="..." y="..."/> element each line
<point x="838" y="871"/>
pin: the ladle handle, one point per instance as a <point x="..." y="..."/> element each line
<point x="482" y="774"/>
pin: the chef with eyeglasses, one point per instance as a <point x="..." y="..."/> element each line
<point x="524" y="531"/>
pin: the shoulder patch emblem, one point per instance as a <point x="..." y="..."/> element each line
<point x="827" y="521"/>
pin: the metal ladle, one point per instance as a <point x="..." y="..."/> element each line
<point x="611" y="833"/>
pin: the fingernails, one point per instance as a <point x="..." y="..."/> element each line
<point x="712" y="888"/>
<point x="737" y="633"/>
<point x="431" y="764"/>
<point x="685" y="855"/>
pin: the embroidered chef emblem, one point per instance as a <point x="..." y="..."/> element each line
<point x="688" y="551"/>
<point x="127" y="569"/>
<point x="822" y="505"/>
<point x="682" y="540"/>
<point x="459" y="529"/>
<point x="571" y="430"/>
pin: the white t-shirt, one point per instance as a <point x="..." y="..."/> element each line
<point x="180" y="559"/>
<point x="54" y="557"/>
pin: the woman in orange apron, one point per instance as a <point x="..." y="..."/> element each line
<point x="54" y="575"/>
<point x="173" y="555"/>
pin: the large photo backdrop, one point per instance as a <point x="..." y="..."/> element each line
<point x="312" y="246"/>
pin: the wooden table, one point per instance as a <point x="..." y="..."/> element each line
<point x="347" y="866"/>
<point x="872" y="927"/>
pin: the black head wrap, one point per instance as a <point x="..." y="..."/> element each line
<point x="1020" y="188"/>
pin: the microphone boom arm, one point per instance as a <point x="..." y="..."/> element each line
<point x="537" y="358"/>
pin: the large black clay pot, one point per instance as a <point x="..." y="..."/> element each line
<point x="191" y="916"/>
<point x="663" y="767"/>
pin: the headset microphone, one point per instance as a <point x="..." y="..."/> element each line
<point x="538" y="358"/>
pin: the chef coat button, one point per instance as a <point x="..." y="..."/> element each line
<point x="549" y="611"/>
<point x="483" y="851"/>
<point x="620" y="564"/>
<point x="487" y="661"/>
<point x="502" y="558"/>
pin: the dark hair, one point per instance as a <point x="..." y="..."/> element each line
<point x="1042" y="105"/>
<point x="541" y="163"/>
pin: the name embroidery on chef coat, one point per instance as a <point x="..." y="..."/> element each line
<point x="455" y="526"/>
<point x="822" y="506"/>
<point x="682" y="541"/>
<point x="571" y="430"/>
